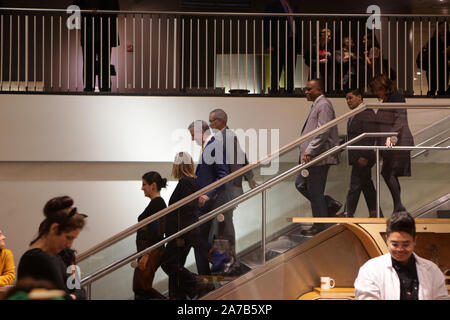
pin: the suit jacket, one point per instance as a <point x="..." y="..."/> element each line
<point x="321" y="112"/>
<point x="212" y="167"/>
<point x="362" y="122"/>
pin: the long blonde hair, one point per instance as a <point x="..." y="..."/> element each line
<point x="183" y="166"/>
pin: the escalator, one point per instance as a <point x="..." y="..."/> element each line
<point x="277" y="261"/>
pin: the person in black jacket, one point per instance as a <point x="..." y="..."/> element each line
<point x="148" y="235"/>
<point x="395" y="163"/>
<point x="361" y="161"/>
<point x="101" y="36"/>
<point x="275" y="42"/>
<point x="182" y="282"/>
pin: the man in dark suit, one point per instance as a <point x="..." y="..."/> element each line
<point x="101" y="36"/>
<point x="313" y="186"/>
<point x="236" y="159"/>
<point x="211" y="167"/>
<point x="275" y="43"/>
<point x="361" y="161"/>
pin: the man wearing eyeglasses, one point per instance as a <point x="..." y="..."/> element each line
<point x="400" y="274"/>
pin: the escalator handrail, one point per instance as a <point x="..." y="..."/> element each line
<point x="212" y="214"/>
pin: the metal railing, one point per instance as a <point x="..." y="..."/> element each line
<point x="214" y="213"/>
<point x="252" y="166"/>
<point x="198" y="53"/>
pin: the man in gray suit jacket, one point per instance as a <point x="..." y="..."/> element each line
<point x="313" y="186"/>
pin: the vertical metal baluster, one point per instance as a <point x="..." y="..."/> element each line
<point x="412" y="54"/>
<point x="366" y="55"/>
<point x="350" y="54"/>
<point x="429" y="56"/>
<point x="68" y="59"/>
<point x="342" y="58"/>
<point x="206" y="53"/>
<point x="254" y="56"/>
<point x="51" y="53"/>
<point x="60" y="52"/>
<point x="26" y="53"/>
<point x="1" y="53"/>
<point x="231" y="54"/>
<point x="109" y="53"/>
<point x="357" y="54"/>
<point x="396" y="52"/>
<point x="303" y="52"/>
<point x="406" y="57"/>
<point x="381" y="49"/>
<point x="18" y="53"/>
<point x="117" y="52"/>
<point x="377" y="155"/>
<point x="134" y="52"/>
<point x="10" y="51"/>
<point x="437" y="54"/>
<point x="373" y="52"/>
<point x="445" y="56"/>
<point x="182" y="53"/>
<point x="263" y="85"/>
<point x="270" y="54"/>
<point x="76" y="55"/>
<point x="238" y="53"/>
<point x="175" y="38"/>
<point x="84" y="56"/>
<point x="294" y="54"/>
<point x="285" y="54"/>
<point x="159" y="53"/>
<point x="215" y="53"/>
<point x="278" y="54"/>
<point x="421" y="56"/>
<point x="167" y="54"/>
<point x="223" y="52"/>
<point x="317" y="49"/>
<point x="334" y="55"/>
<point x="198" y="53"/>
<point x="389" y="47"/>
<point x="150" y="61"/>
<point x="93" y="54"/>
<point x="190" y="54"/>
<point x="142" y="51"/>
<point x="326" y="62"/>
<point x="246" y="54"/>
<point x="125" y="53"/>
<point x="310" y="50"/>
<point x="100" y="77"/>
<point x="43" y="53"/>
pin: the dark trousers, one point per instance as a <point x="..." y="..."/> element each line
<point x="225" y="230"/>
<point x="361" y="180"/>
<point x="313" y="189"/>
<point x="201" y="251"/>
<point x="181" y="280"/>
<point x="97" y="62"/>
<point x="278" y="61"/>
<point x="394" y="187"/>
<point x="433" y="84"/>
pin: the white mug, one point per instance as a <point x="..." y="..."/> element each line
<point x="327" y="283"/>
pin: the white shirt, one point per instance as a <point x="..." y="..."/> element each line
<point x="378" y="280"/>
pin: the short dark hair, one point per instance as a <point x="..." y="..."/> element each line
<point x="356" y="92"/>
<point x="319" y="82"/>
<point x="198" y="123"/>
<point x="383" y="81"/>
<point x="401" y="221"/>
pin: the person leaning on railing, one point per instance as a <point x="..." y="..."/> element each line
<point x="7" y="269"/>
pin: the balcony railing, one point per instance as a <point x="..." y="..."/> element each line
<point x="190" y="53"/>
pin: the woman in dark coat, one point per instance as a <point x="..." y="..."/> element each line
<point x="182" y="282"/>
<point x="395" y="163"/>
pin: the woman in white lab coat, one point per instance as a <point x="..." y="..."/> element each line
<point x="400" y="274"/>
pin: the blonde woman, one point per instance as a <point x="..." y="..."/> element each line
<point x="182" y="282"/>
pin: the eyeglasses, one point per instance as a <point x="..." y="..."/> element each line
<point x="212" y="120"/>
